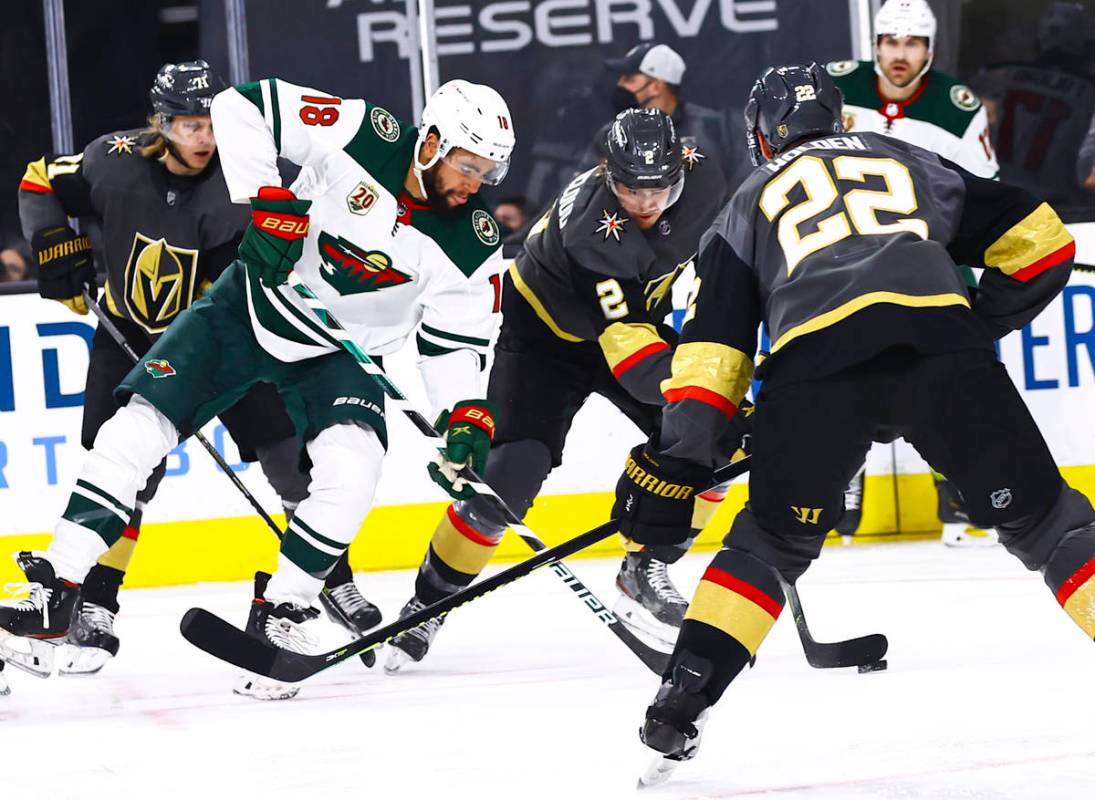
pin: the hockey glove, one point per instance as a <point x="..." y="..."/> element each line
<point x="274" y="241"/>
<point x="469" y="430"/>
<point x="655" y="496"/>
<point x="65" y="265"/>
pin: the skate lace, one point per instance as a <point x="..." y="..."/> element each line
<point x="349" y="598"/>
<point x="290" y="635"/>
<point x="657" y="575"/>
<point x="426" y="630"/>
<point x="37" y="600"/>
<point x="97" y="617"/>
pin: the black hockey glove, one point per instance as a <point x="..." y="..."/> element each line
<point x="655" y="496"/>
<point x="274" y="241"/>
<point x="65" y="265"/>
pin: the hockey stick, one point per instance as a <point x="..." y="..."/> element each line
<point x="865" y="652"/>
<point x="210" y="633"/>
<point x="117" y="336"/>
<point x="656" y="660"/>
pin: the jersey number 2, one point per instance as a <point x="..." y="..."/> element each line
<point x="862" y="205"/>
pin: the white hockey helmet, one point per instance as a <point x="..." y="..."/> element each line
<point x="471" y="116"/>
<point x="906" y="18"/>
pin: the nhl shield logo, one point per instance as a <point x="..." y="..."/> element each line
<point x="486" y="229"/>
<point x="362" y="199"/>
<point x="384" y="124"/>
<point x="1001" y="498"/>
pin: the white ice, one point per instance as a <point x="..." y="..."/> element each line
<point x="525" y="695"/>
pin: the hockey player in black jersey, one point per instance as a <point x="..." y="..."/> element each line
<point x="166" y="229"/>
<point x="583" y="305"/>
<point x="845" y="245"/>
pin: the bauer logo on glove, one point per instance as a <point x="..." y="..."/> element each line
<point x="469" y="431"/>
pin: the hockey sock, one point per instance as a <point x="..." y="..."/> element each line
<point x="1070" y="574"/>
<point x="736" y="603"/>
<point x="340" y="573"/>
<point x="101" y="586"/>
<point x="457" y="553"/>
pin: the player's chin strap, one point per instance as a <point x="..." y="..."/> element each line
<point x="419" y="168"/>
<point x="654" y="659"/>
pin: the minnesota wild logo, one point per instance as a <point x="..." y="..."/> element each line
<point x="159" y="368"/>
<point x="353" y="270"/>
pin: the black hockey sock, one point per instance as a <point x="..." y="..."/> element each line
<point x="101" y="587"/>
<point x="340" y="573"/>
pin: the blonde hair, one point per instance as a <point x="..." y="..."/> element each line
<point x="155" y="140"/>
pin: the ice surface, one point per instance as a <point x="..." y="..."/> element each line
<point x="525" y="695"/>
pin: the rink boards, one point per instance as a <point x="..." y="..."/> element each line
<point x="199" y="527"/>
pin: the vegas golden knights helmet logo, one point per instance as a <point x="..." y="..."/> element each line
<point x="159" y="282"/>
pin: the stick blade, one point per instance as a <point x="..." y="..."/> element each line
<point x="851" y="653"/>
<point x="210" y="633"/>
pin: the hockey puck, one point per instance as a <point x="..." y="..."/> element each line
<point x="874" y="666"/>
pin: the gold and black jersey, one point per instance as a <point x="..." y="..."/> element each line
<point x="159" y="237"/>
<point x="845" y="247"/>
<point x="592" y="275"/>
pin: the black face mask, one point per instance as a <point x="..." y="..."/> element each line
<point x="625" y="98"/>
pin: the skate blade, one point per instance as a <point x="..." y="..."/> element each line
<point x="260" y="688"/>
<point x="30" y="655"/>
<point x="80" y="661"/>
<point x="643" y="624"/>
<point x="658" y="772"/>
<point x="396" y="660"/>
<point x="5" y="690"/>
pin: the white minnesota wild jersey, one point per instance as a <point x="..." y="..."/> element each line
<point x="943" y="116"/>
<point x="385" y="265"/>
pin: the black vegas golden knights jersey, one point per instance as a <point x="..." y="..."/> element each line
<point x="846" y="247"/>
<point x="591" y="275"/>
<point x="163" y="237"/>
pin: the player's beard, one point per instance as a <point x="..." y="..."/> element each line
<point x="436" y="195"/>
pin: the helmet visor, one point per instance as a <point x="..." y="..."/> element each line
<point x="189" y="131"/>
<point x="646" y="200"/>
<point x="478" y="168"/>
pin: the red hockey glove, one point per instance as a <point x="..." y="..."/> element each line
<point x="274" y="241"/>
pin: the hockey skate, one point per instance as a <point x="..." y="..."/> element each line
<point x="957" y="531"/>
<point x="90" y="642"/>
<point x="411" y="645"/>
<point x="28" y="626"/>
<point x="649" y="603"/>
<point x="281" y="625"/>
<point x="849" y="521"/>
<point x="4" y="688"/>
<point x="346" y="606"/>
<point x="674" y="722"/>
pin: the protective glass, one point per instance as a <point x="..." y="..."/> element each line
<point x="646" y="200"/>
<point x="476" y="167"/>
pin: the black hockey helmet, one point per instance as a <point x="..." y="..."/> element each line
<point x="644" y="152"/>
<point x="186" y="88"/>
<point x="790" y="103"/>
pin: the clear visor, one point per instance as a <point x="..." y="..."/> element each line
<point x="190" y="131"/>
<point x="476" y="167"/>
<point x="643" y="202"/>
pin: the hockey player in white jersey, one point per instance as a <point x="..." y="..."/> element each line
<point x="900" y="94"/>
<point x="384" y="224"/>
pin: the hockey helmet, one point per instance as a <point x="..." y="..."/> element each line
<point x="790" y="103"/>
<point x="184" y="89"/>
<point x="473" y="117"/>
<point x="643" y="152"/>
<point x="902" y="18"/>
